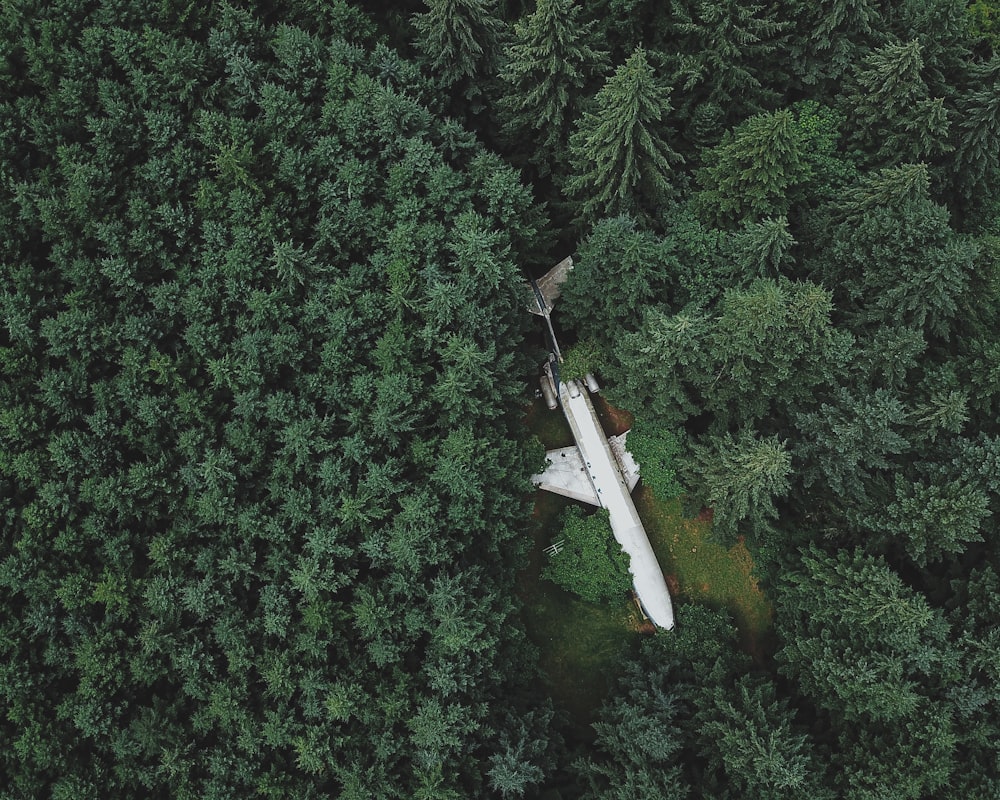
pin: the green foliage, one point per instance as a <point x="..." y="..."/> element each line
<point x="548" y="64"/>
<point x="986" y="22"/>
<point x="620" y="268"/>
<point x="459" y="39"/>
<point x="755" y="171"/>
<point x="739" y="478"/>
<point x="891" y="111"/>
<point x="724" y="56"/>
<point x="620" y="154"/>
<point x="894" y="255"/>
<point x="934" y="520"/>
<point x="978" y="135"/>
<point x="590" y="563"/>
<point x="655" y="450"/>
<point x="750" y="736"/>
<point x="856" y="639"/>
<point x="581" y="358"/>
<point x="759" y="349"/>
<point x="831" y="37"/>
<point x="254" y="413"/>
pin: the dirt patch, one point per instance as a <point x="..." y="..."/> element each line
<point x="615" y="421"/>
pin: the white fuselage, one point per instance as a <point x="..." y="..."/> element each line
<point x="613" y="493"/>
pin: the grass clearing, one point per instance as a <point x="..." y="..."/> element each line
<point x="703" y="571"/>
<point x="579" y="643"/>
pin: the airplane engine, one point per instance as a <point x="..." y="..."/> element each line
<point x="548" y="392"/>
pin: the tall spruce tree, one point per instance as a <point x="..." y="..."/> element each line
<point x="754" y="171"/>
<point x="725" y="62"/>
<point x="620" y="152"/>
<point x="831" y="36"/>
<point x="550" y="61"/>
<point x="975" y="166"/>
<point x="459" y="39"/>
<point x="893" y="256"/>
<point x="739" y="478"/>
<point x="893" y="117"/>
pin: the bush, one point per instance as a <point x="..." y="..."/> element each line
<point x="590" y="562"/>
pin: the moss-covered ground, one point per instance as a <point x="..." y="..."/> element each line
<point x="704" y="571"/>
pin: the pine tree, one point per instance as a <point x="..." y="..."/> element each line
<point x="894" y="257"/>
<point x="932" y="519"/>
<point x="975" y="165"/>
<point x="857" y="640"/>
<point x="761" y="249"/>
<point x="621" y="158"/>
<point x="892" y="114"/>
<point x="723" y="55"/>
<point x="459" y="39"/>
<point x="749" y="736"/>
<point x="753" y="172"/>
<point x="619" y="270"/>
<point x="831" y="36"/>
<point x="549" y="62"/>
<point x="739" y="478"/>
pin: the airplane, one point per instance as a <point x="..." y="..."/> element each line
<point x="597" y="469"/>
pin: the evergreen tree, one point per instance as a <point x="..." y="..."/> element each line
<point x="548" y="63"/>
<point x="750" y="737"/>
<point x="739" y="479"/>
<point x="894" y="256"/>
<point x="859" y="643"/>
<point x="726" y="62"/>
<point x="620" y="154"/>
<point x="832" y="36"/>
<point x="755" y="171"/>
<point x="761" y="249"/>
<point x="977" y="138"/>
<point x="758" y="353"/>
<point x="893" y="116"/>
<point x="933" y="520"/>
<point x="619" y="270"/>
<point x="459" y="39"/>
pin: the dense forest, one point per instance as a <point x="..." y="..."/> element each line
<point x="264" y="477"/>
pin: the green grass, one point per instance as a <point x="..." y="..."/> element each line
<point x="703" y="571"/>
<point x="550" y="427"/>
<point x="580" y="644"/>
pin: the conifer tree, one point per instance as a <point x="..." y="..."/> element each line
<point x="831" y="36"/>
<point x="761" y="249"/>
<point x="620" y="154"/>
<point x="754" y="170"/>
<point x="892" y="114"/>
<point x="894" y="258"/>
<point x="459" y="38"/>
<point x="725" y="60"/>
<point x="548" y="63"/>
<point x="855" y="637"/>
<point x="739" y="478"/>
<point x="975" y="164"/>
<point x="749" y="735"/>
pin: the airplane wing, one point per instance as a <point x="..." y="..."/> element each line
<point x="566" y="474"/>
<point x="626" y="462"/>
<point x="549" y="287"/>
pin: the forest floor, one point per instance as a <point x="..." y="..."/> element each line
<point x="580" y="643"/>
<point x="703" y="571"/>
